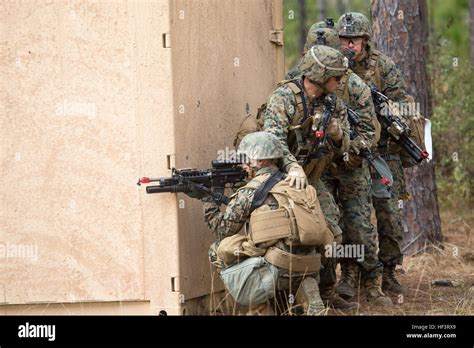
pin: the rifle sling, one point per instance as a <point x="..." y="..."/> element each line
<point x="261" y="192"/>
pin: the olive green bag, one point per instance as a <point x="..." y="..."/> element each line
<point x="252" y="281"/>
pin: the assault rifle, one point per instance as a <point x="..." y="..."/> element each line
<point x="304" y="148"/>
<point x="387" y="119"/>
<point x="211" y="181"/>
<point x="375" y="161"/>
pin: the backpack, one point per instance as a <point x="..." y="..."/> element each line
<point x="416" y="123"/>
<point x="298" y="218"/>
<point x="254" y="122"/>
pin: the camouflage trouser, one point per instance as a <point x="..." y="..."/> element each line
<point x="332" y="215"/>
<point x="352" y="190"/>
<point x="389" y="213"/>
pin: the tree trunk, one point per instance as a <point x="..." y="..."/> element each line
<point x="303" y="30"/>
<point x="471" y="26"/>
<point x="322" y="9"/>
<point x="401" y="31"/>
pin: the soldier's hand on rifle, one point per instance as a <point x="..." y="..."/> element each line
<point x="194" y="192"/>
<point x="296" y="176"/>
<point x="395" y="130"/>
<point x="335" y="131"/>
<point x="358" y="144"/>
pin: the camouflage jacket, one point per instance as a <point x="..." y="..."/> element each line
<point x="356" y="94"/>
<point x="387" y="77"/>
<point x="237" y="213"/>
<point x="227" y="223"/>
<point x="282" y="112"/>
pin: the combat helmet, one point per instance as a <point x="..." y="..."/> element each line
<point x="354" y="24"/>
<point x="322" y="36"/>
<point x="322" y="62"/>
<point x="260" y="146"/>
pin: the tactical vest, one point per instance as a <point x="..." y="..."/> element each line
<point x="300" y="128"/>
<point x="254" y="122"/>
<point x="342" y="92"/>
<point x="372" y="74"/>
<point x="287" y="214"/>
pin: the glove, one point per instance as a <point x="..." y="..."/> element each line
<point x="296" y="176"/>
<point x="352" y="161"/>
<point x="194" y="192"/>
<point x="358" y="144"/>
<point x="334" y="130"/>
<point x="395" y="130"/>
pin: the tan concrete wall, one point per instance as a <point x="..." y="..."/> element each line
<point x="91" y="101"/>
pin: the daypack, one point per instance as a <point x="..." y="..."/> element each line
<point x="417" y="127"/>
<point x="254" y="122"/>
<point x="298" y="218"/>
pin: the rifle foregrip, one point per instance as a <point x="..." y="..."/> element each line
<point x="162" y="189"/>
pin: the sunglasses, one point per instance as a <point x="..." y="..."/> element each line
<point x="353" y="40"/>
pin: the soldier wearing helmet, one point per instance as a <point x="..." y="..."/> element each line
<point x="289" y="108"/>
<point x="264" y="153"/>
<point x="375" y="68"/>
<point x="348" y="178"/>
<point x="320" y="33"/>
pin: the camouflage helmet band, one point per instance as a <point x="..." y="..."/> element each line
<point x="346" y="63"/>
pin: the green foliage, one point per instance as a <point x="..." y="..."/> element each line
<point x="453" y="124"/>
<point x="452" y="88"/>
<point x="449" y="21"/>
<point x="292" y="22"/>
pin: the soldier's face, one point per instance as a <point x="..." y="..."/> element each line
<point x="355" y="44"/>
<point x="251" y="167"/>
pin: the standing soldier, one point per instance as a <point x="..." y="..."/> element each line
<point x="348" y="178"/>
<point x="293" y="112"/>
<point x="377" y="69"/>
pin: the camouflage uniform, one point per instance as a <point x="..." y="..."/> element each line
<point x="237" y="214"/>
<point x="388" y="211"/>
<point x="281" y="113"/>
<point x="378" y="69"/>
<point x="351" y="183"/>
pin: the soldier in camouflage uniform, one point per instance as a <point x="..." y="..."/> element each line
<point x="374" y="67"/>
<point x="348" y="178"/>
<point x="321" y="68"/>
<point x="311" y="40"/>
<point x="265" y="153"/>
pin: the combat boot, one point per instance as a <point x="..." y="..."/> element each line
<point x="333" y="300"/>
<point x="349" y="278"/>
<point x="390" y="283"/>
<point x="374" y="293"/>
<point x="309" y="297"/>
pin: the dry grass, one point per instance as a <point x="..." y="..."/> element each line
<point x="455" y="262"/>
